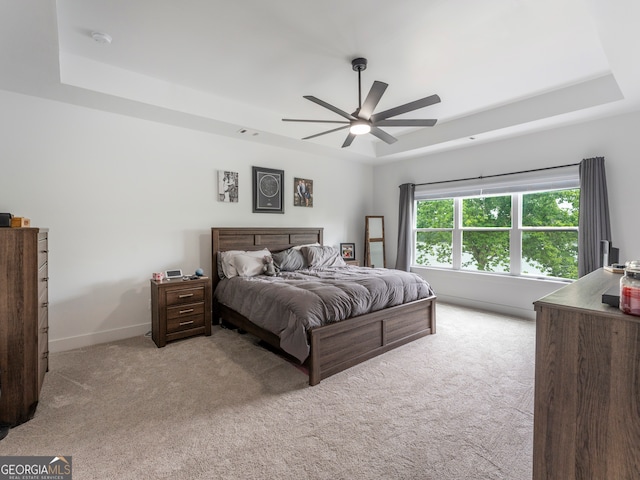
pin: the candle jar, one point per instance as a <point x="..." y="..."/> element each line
<point x="630" y="289"/>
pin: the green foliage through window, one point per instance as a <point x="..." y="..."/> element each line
<point x="486" y="211"/>
<point x="435" y="214"/>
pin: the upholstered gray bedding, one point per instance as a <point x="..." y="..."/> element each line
<point x="290" y="304"/>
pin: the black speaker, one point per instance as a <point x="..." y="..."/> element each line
<point x="5" y="219"/>
<point x="608" y="253"/>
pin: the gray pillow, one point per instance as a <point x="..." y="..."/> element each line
<point x="323" y="257"/>
<point x="289" y="260"/>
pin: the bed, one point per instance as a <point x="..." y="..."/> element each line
<point x="333" y="347"/>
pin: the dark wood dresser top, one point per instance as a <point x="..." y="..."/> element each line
<point x="586" y="295"/>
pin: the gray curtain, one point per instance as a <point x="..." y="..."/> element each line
<point x="594" y="224"/>
<point x="405" y="226"/>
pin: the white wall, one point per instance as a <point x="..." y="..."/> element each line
<point x="125" y="197"/>
<point x="615" y="138"/>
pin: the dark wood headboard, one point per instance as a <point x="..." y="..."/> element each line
<point x="249" y="238"/>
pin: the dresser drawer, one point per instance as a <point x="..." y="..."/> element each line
<point x="184" y="323"/>
<point x="43" y="277"/>
<point x="43" y="321"/>
<point x="43" y="250"/>
<point x="185" y="295"/>
<point x="43" y="356"/>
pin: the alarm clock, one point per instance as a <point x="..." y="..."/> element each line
<point x="173" y="274"/>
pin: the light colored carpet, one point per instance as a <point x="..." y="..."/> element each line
<point x="455" y="405"/>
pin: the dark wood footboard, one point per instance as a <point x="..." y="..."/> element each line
<point x="342" y="345"/>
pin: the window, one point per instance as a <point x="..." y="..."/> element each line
<point x="521" y="233"/>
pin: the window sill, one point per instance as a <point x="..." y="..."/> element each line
<point x="559" y="281"/>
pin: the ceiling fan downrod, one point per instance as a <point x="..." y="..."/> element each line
<point x="359" y="64"/>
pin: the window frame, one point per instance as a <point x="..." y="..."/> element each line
<point x="516" y="231"/>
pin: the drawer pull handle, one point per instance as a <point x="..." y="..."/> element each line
<point x="186" y="311"/>
<point x="45" y="279"/>
<point x="186" y="323"/>
<point x="44" y="251"/>
<point x="186" y="295"/>
<point x="45" y="304"/>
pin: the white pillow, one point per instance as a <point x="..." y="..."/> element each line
<point x="227" y="259"/>
<point x="225" y="266"/>
<point x="248" y="265"/>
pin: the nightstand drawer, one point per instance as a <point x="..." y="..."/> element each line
<point x="185" y="310"/>
<point x="184" y="323"/>
<point x="185" y="295"/>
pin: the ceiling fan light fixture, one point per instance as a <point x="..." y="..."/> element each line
<point x="360" y="128"/>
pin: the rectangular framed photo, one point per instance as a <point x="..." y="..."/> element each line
<point x="348" y="251"/>
<point x="267" y="190"/>
<point x="302" y="192"/>
<point x="227" y="186"/>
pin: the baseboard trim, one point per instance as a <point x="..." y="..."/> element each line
<point x="80" y="341"/>
<point x="489" y="307"/>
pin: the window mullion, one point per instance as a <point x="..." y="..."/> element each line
<point x="457" y="234"/>
<point x="515" y="242"/>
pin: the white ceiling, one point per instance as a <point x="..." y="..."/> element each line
<point x="501" y="67"/>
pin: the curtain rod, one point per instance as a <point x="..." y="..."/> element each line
<point x="497" y="175"/>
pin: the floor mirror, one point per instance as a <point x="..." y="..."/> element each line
<point x="374" y="242"/>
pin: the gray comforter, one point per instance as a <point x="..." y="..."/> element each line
<point x="290" y="304"/>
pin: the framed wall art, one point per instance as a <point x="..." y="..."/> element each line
<point x="227" y="186"/>
<point x="302" y="192"/>
<point x="267" y="190"/>
<point x="348" y="251"/>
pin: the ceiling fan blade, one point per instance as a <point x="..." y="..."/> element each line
<point x="382" y="135"/>
<point x="324" y="104"/>
<point x="409" y="122"/>
<point x="348" y="140"/>
<point x="313" y="121"/>
<point x="324" y="133"/>
<point x="407" y="107"/>
<point x="373" y="97"/>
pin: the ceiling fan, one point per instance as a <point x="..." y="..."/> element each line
<point x="363" y="120"/>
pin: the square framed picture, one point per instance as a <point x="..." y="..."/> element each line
<point x="302" y="192"/>
<point x="227" y="186"/>
<point x="267" y="190"/>
<point x="348" y="251"/>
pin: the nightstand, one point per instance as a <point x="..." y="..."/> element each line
<point x="355" y="263"/>
<point x="180" y="309"/>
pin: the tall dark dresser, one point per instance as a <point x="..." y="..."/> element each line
<point x="586" y="422"/>
<point x="24" y="324"/>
